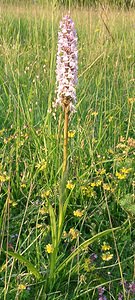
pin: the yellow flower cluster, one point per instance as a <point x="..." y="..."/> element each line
<point x="41" y="166"/>
<point x="78" y="213"/>
<point x="72" y="234"/>
<point x="11" y="202"/>
<point x="131" y="100"/>
<point x="107" y="187"/>
<point x="4" y="177"/>
<point x="107" y="255"/>
<point x="43" y="210"/>
<point x="94" y="113"/>
<point x="101" y="171"/>
<point x="96" y="183"/>
<point x="88" y="191"/>
<point x="45" y="194"/>
<point x="21" y="287"/>
<point x="122" y="174"/>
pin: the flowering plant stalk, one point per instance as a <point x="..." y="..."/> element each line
<point x="66" y="80"/>
<point x="66" y="74"/>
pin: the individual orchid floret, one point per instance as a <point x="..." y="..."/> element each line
<point x="66" y="69"/>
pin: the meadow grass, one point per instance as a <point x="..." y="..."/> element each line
<point x="74" y="216"/>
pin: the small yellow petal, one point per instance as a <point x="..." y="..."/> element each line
<point x="71" y="134"/>
<point x="21" y="287"/>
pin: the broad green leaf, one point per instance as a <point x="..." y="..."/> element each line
<point x="23" y="260"/>
<point x="83" y="246"/>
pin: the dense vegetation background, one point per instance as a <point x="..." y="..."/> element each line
<point x="117" y="3"/>
<point x="99" y="193"/>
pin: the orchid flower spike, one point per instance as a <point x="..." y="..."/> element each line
<point x="66" y="65"/>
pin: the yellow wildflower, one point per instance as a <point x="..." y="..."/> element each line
<point x="110" y="151"/>
<point x="13" y="203"/>
<point x="71" y="134"/>
<point x="131" y="100"/>
<point x="107" y="256"/>
<point x="96" y="183"/>
<point x="70" y="185"/>
<point x="21" y="287"/>
<point x="110" y="119"/>
<point x="4" y="177"/>
<point x="45" y="194"/>
<point x="41" y="165"/>
<point x="120" y="175"/>
<point x="125" y="170"/>
<point x="131" y="142"/>
<point x="94" y="113"/>
<point x="122" y="139"/>
<point x="101" y="171"/>
<point x="88" y="191"/>
<point x="83" y="188"/>
<point x="93" y="184"/>
<point x="106" y="187"/>
<point x="73" y="233"/>
<point x="105" y="247"/>
<point x="43" y="210"/>
<point x="23" y="185"/>
<point x="49" y="248"/>
<point x="78" y="213"/>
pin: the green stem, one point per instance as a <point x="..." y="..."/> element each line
<point x="66" y="110"/>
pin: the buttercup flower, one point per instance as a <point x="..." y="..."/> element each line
<point x="49" y="248"/>
<point x="107" y="256"/>
<point x="70" y="185"/>
<point x="21" y="287"/>
<point x="66" y="69"/>
<point x="78" y="213"/>
<point x="105" y="247"/>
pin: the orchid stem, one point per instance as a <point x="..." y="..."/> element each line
<point x="65" y="150"/>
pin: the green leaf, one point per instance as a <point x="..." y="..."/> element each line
<point x="53" y="225"/>
<point x="23" y="260"/>
<point x="83" y="246"/>
<point x="128" y="203"/>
